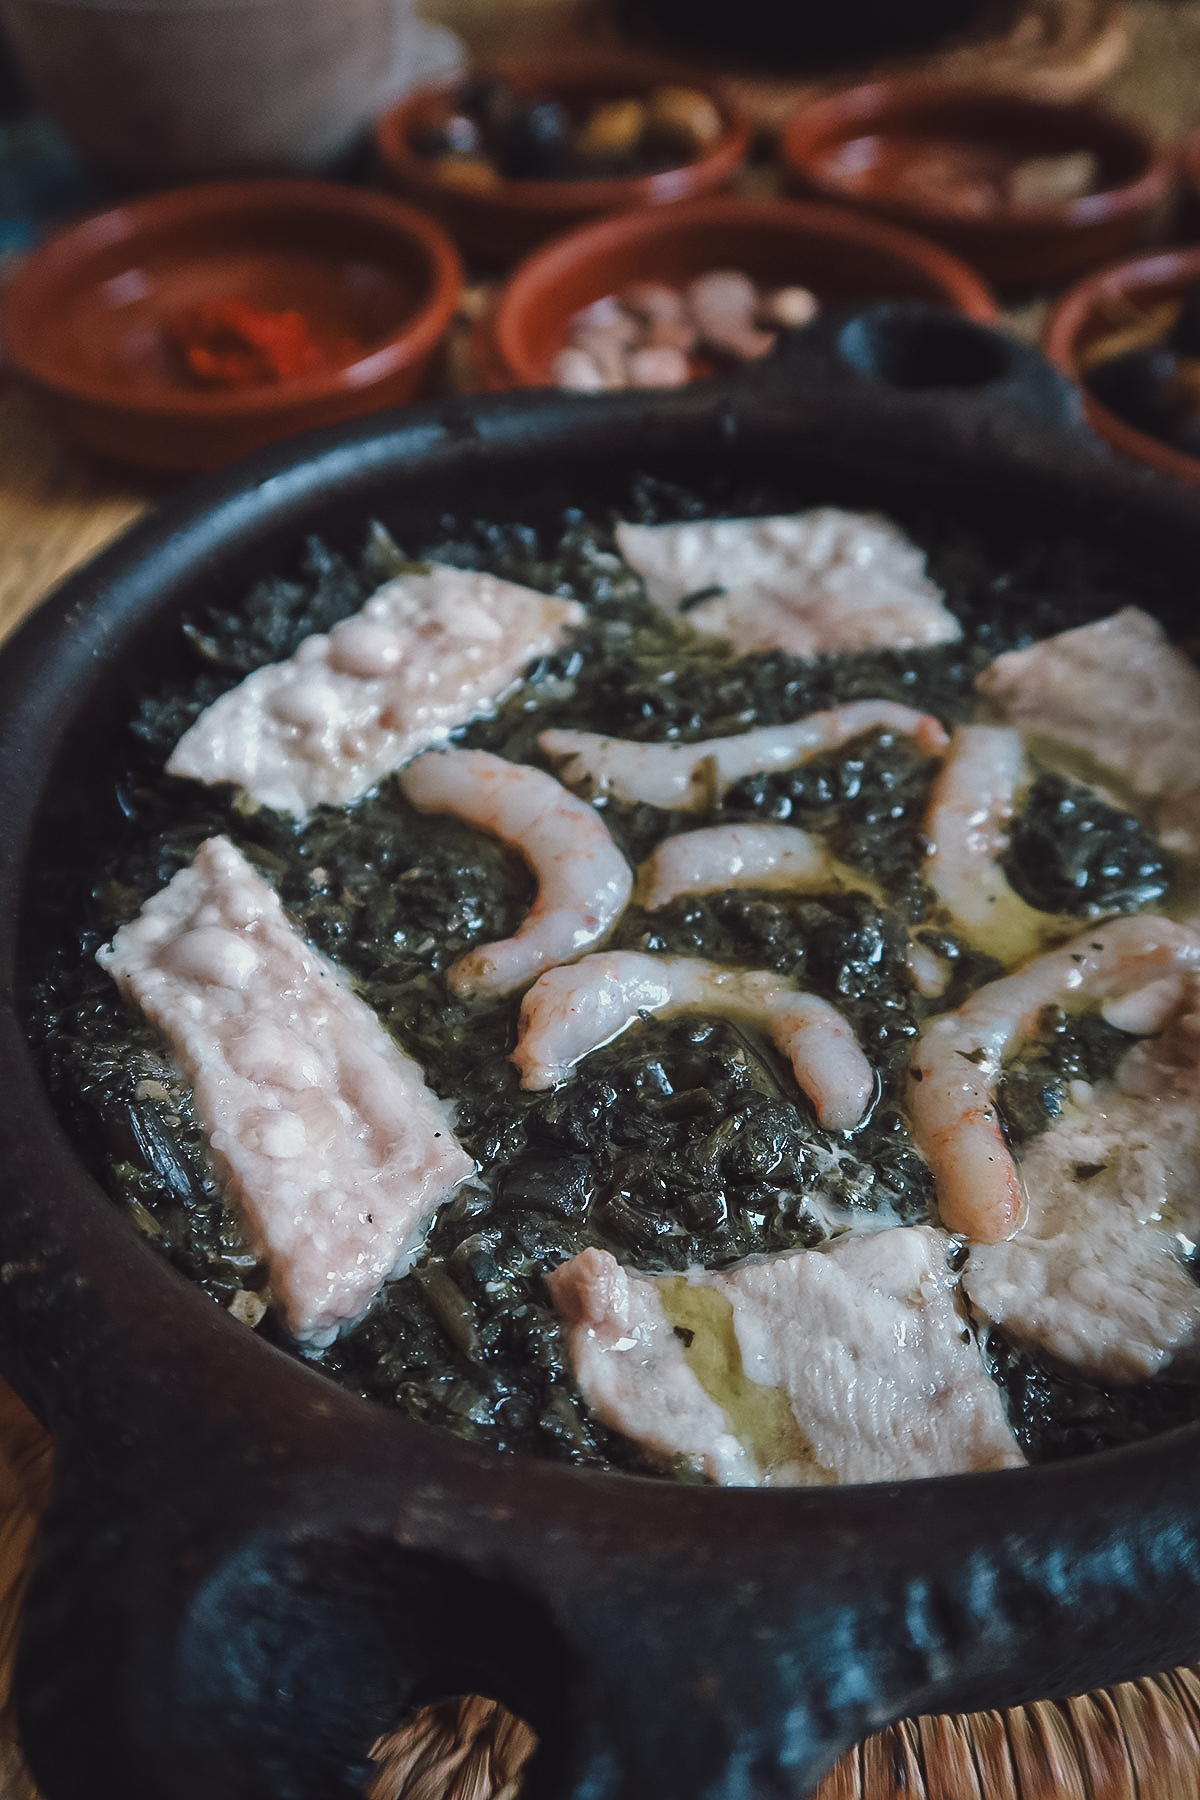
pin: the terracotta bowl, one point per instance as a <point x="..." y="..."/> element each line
<point x="500" y="223"/>
<point x="1093" y="309"/>
<point x="850" y="147"/>
<point x="1189" y="165"/>
<point x="86" y="321"/>
<point x="838" y="254"/>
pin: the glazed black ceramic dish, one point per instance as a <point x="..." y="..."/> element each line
<point x="248" y="1574"/>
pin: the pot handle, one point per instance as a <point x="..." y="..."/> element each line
<point x="937" y="384"/>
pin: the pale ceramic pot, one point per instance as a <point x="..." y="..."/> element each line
<point x="160" y="91"/>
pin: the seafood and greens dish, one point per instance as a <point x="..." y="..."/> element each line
<point x="712" y="991"/>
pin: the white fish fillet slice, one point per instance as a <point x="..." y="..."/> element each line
<point x="1093" y="1278"/>
<point x="866" y="1340"/>
<point x="1121" y="693"/>
<point x="863" y="1341"/>
<point x="326" y="1137"/>
<point x="633" y="1371"/>
<point x="425" y="654"/>
<point x="823" y="581"/>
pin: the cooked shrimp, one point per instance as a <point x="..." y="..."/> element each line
<point x="725" y="856"/>
<point x="1135" y="968"/>
<point x="584" y="882"/>
<point x="967" y="828"/>
<point x="721" y="857"/>
<point x="570" y="1012"/>
<point x="688" y="777"/>
<point x="930" y="974"/>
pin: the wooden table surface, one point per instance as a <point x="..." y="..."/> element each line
<point x="57" y="506"/>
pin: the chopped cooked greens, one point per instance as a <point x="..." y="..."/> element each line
<point x="683" y="1142"/>
<point x="1071" y="853"/>
<point x="1067" y="1047"/>
<point x="868" y="798"/>
<point x="1056" y="1414"/>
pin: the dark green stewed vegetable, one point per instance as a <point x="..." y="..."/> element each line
<point x="684" y="1142"/>
<point x="1071" y="853"/>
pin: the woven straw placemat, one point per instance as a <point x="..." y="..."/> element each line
<point x="1140" y="1741"/>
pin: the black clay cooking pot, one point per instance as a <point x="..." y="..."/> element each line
<point x="247" y="1574"/>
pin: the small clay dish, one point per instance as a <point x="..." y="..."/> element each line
<point x="988" y="173"/>
<point x="501" y="220"/>
<point x="840" y="255"/>
<point x="92" y="320"/>
<point x="1123" y="308"/>
<point x="1189" y="163"/>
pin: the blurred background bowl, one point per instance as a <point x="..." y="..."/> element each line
<point x="87" y="322"/>
<point x="839" y="255"/>
<point x="1189" y="168"/>
<point x="502" y="221"/>
<point x="854" y="147"/>
<point x="1123" y="311"/>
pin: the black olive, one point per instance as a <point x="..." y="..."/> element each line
<point x="429" y="141"/>
<point x="535" y="142"/>
<point x="488" y="100"/>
